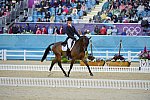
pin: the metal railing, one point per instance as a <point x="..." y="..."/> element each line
<point x="75" y="83"/>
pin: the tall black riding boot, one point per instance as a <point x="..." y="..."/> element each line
<point x="68" y="53"/>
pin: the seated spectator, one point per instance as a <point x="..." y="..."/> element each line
<point x="35" y="29"/>
<point x="124" y="32"/>
<point x="14" y="29"/>
<point x="122" y="6"/>
<point x="79" y="6"/>
<point x="47" y="20"/>
<point x="114" y="30"/>
<point x="50" y="30"/>
<point x="109" y="31"/>
<point x="65" y="10"/>
<point x="39" y="20"/>
<point x="84" y="8"/>
<point x="104" y="15"/>
<point x="103" y="31"/>
<point x="38" y="31"/>
<point x="28" y="28"/>
<point x="44" y="30"/>
<point x="56" y="30"/>
<point x="61" y="30"/>
<point x="96" y="30"/>
<point x="60" y="10"/>
<point x="47" y="15"/>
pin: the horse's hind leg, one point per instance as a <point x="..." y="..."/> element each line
<point x="88" y="67"/>
<point x="59" y="64"/>
<point x="52" y="64"/>
<point x="71" y="65"/>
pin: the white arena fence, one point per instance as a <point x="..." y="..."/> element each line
<point x="75" y="83"/>
<point x="75" y="68"/>
<point x="30" y="54"/>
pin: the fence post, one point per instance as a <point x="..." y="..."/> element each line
<point x="24" y="55"/>
<point x="129" y="56"/>
<point x="2" y="54"/>
<point x="107" y="55"/>
<point x="5" y="55"/>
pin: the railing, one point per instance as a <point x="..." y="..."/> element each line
<point x="76" y="68"/>
<point x="29" y="54"/>
<point x="75" y="83"/>
<point x="1" y="54"/>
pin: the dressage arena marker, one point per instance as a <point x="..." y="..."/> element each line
<point x="75" y="83"/>
<point x="75" y="68"/>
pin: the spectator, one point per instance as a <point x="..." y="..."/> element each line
<point x="60" y="10"/>
<point x="109" y="31"/>
<point x="65" y="10"/>
<point x="35" y="29"/>
<point x="14" y="29"/>
<point x="61" y="30"/>
<point x="56" y="30"/>
<point x="44" y="30"/>
<point x="28" y="28"/>
<point x="38" y="31"/>
<point x="39" y="20"/>
<point x="79" y="6"/>
<point x="47" y="20"/>
<point x="124" y="32"/>
<point x="122" y="7"/>
<point x="50" y="30"/>
<point x="114" y="31"/>
<point x="47" y="15"/>
<point x="103" y="30"/>
<point x="96" y="30"/>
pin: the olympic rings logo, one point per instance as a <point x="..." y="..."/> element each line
<point x="132" y="30"/>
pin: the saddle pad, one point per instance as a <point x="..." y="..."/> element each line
<point x="64" y="48"/>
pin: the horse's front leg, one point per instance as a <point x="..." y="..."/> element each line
<point x="71" y="65"/>
<point x="87" y="67"/>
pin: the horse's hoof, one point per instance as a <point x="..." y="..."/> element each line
<point x="91" y="74"/>
<point x="66" y="75"/>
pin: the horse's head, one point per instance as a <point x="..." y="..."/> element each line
<point x="85" y="42"/>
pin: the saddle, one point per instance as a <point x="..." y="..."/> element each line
<point x="67" y="46"/>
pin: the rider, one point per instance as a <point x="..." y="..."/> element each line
<point x="70" y="31"/>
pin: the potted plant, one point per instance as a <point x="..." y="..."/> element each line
<point x="118" y="60"/>
<point x="92" y="61"/>
<point x="144" y="57"/>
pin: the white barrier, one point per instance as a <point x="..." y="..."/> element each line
<point x="28" y="54"/>
<point x="76" y="83"/>
<point x="1" y="54"/>
<point x="76" y="68"/>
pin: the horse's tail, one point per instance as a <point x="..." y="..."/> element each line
<point x="46" y="52"/>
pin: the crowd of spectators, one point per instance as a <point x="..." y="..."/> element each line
<point x="45" y="9"/>
<point x="6" y="6"/>
<point x="27" y="29"/>
<point x="123" y="11"/>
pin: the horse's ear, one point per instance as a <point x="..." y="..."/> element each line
<point x="89" y="38"/>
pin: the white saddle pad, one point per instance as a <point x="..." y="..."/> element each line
<point x="64" y="48"/>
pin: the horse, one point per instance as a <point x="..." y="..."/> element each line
<point x="77" y="53"/>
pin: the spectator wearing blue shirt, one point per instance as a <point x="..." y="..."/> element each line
<point x="124" y="32"/>
<point x="50" y="30"/>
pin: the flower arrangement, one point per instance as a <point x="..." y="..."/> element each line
<point x="145" y="54"/>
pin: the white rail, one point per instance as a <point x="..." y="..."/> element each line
<point x="76" y="83"/>
<point x="1" y="54"/>
<point x="76" y="68"/>
<point x="30" y="54"/>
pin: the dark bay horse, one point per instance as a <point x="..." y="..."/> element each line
<point x="77" y="53"/>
